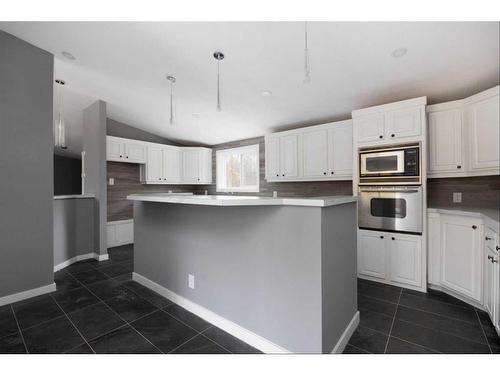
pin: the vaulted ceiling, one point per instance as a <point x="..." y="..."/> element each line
<point x="125" y="64"/>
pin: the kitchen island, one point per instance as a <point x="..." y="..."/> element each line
<point x="278" y="273"/>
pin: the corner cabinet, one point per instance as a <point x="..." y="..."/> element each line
<point x="315" y="153"/>
<point x="464" y="136"/>
<point x="125" y="150"/>
<point x="393" y="258"/>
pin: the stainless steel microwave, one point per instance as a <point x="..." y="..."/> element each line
<point x="391" y="165"/>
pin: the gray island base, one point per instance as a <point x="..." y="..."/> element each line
<point x="280" y="275"/>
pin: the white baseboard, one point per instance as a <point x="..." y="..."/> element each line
<point x="346" y="335"/>
<point x="27" y="294"/>
<point x="230" y="327"/>
<point x="68" y="262"/>
<point x="102" y="257"/>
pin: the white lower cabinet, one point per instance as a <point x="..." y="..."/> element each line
<point x="461" y="255"/>
<point x="393" y="258"/>
<point x="491" y="284"/>
<point x="120" y="232"/>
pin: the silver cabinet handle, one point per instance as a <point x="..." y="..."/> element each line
<point x="492" y="259"/>
<point x="488" y="238"/>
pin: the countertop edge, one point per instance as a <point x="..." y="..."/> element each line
<point x="74" y="196"/>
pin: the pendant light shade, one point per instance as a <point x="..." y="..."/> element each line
<point x="172" y="80"/>
<point x="219" y="56"/>
<point x="59" y="124"/>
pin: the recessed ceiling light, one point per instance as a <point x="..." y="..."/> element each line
<point x="266" y="93"/>
<point x="399" y="52"/>
<point x="196" y="115"/>
<point x="68" y="55"/>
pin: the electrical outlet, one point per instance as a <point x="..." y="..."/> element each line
<point x="191" y="281"/>
<point x="111" y="181"/>
<point x="457" y="197"/>
<point x="275" y="194"/>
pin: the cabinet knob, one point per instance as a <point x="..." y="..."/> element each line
<point x="393" y="238"/>
<point x="494" y="261"/>
<point x="459" y="167"/>
<point x="474" y="227"/>
<point x="382" y="237"/>
<point x="159" y="178"/>
<point x="324" y="173"/>
<point x="488" y="238"/>
<point x="498" y="248"/>
<point x="392" y="135"/>
<point x="283" y="175"/>
<point x="121" y="156"/>
<point x="126" y="157"/>
<point x="381" y="136"/>
<point x="332" y="172"/>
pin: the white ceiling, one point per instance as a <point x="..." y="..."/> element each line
<point x="125" y="64"/>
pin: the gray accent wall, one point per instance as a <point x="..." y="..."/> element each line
<point x="73" y="228"/>
<point x="119" y="129"/>
<point x="94" y="145"/>
<point x="26" y="165"/>
<point x="257" y="266"/>
<point x="284" y="189"/>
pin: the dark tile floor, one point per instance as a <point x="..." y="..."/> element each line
<point x="397" y="320"/>
<point x="97" y="308"/>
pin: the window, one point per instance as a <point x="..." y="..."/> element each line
<point x="238" y="169"/>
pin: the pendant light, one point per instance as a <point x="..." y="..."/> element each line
<point x="60" y="125"/>
<point x="307" y="68"/>
<point x="172" y="80"/>
<point x="218" y="56"/>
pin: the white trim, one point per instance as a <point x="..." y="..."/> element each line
<point x="346" y="335"/>
<point x="102" y="257"/>
<point x="27" y="294"/>
<point x="66" y="263"/>
<point x="232" y="328"/>
<point x="422" y="100"/>
<point x="126" y="221"/>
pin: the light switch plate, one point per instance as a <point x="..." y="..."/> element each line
<point x="191" y="281"/>
<point x="457" y="197"/>
<point x="111" y="181"/>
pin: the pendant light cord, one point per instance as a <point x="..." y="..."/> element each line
<point x="171" y="103"/>
<point x="218" y="86"/>
<point x="306" y="56"/>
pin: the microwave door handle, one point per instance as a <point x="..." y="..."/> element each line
<point x="390" y="191"/>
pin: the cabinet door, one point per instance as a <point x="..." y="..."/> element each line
<point x="340" y="150"/>
<point x="484" y="134"/>
<point x="154" y="164"/>
<point x="370" y="128"/>
<point x="190" y="166"/>
<point x="371" y="254"/>
<point x="171" y="164"/>
<point x="490" y="282"/>
<point x="403" y="123"/>
<point x="289" y="156"/>
<point x="314" y="153"/>
<point x="406" y="259"/>
<point x="461" y="255"/>
<point x="135" y="152"/>
<point x="206" y="166"/>
<point x="114" y="149"/>
<point x="445" y="141"/>
<point x="272" y="158"/>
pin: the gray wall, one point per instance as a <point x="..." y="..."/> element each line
<point x="285" y="189"/>
<point x="259" y="267"/>
<point x="94" y="145"/>
<point x="338" y="268"/>
<point x="26" y="165"/>
<point x="73" y="228"/>
<point x="119" y="129"/>
<point x="67" y="175"/>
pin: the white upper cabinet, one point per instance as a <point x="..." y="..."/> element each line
<point x="483" y="119"/>
<point x="289" y="161"/>
<point x="272" y="158"/>
<point x="340" y="149"/>
<point x="464" y="136"/>
<point x="315" y="153"/>
<point x="205" y="165"/>
<point x="171" y="164"/>
<point x="371" y="128"/>
<point x="445" y="142"/>
<point x="402" y="123"/>
<point x="190" y="165"/>
<point x="389" y="123"/>
<point x="125" y="150"/>
<point x="461" y="255"/>
<point x="154" y="165"/>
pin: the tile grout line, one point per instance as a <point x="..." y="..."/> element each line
<point x="482" y="330"/>
<point x="19" y="328"/>
<point x="422" y="346"/>
<point x="185" y="342"/>
<point x="363" y="350"/>
<point x="393" y="320"/>
<point x="73" y="324"/>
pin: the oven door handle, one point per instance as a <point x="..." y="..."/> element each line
<point x="389" y="191"/>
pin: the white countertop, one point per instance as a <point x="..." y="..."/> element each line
<point x="232" y="200"/>
<point x="490" y="215"/>
<point x="74" y="196"/>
